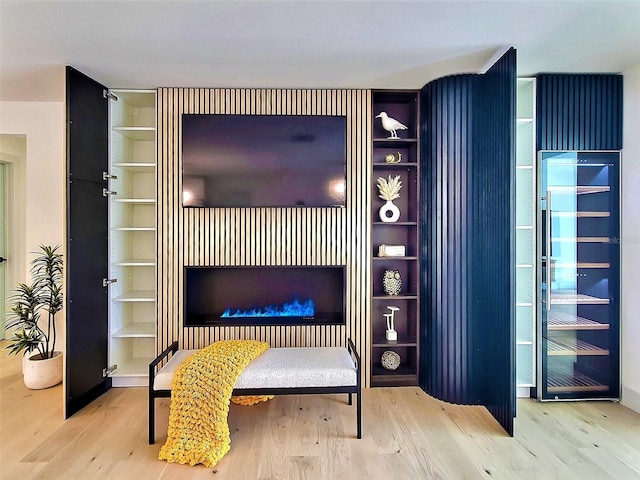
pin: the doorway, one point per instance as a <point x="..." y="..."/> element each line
<point x="13" y="150"/>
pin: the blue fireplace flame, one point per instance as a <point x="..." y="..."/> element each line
<point x="295" y="308"/>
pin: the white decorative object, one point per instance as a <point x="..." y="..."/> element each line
<point x="389" y="212"/>
<point x="391" y="335"/>
<point x="392" y="158"/>
<point x="391" y="124"/>
<point x="391" y="250"/>
<point x="390" y="360"/>
<point x="392" y="282"/>
<point x="39" y="374"/>
<point x="389" y="190"/>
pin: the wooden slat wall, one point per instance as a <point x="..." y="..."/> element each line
<point x="264" y="236"/>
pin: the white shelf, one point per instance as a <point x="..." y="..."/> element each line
<point x="136" y="167"/>
<point x="137" y="262"/>
<point x="137" y="133"/>
<point x="137" y="296"/>
<point x="140" y="201"/>
<point x="134" y="229"/>
<point x="137" y="330"/>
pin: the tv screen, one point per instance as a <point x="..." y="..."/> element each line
<point x="263" y="160"/>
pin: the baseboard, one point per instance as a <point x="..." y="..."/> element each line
<point x="630" y="399"/>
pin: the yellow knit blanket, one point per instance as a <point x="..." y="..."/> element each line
<point x="200" y="395"/>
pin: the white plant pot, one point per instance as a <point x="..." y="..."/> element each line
<point x="389" y="212"/>
<point x="39" y="374"/>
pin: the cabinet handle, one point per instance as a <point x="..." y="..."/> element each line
<point x="548" y="250"/>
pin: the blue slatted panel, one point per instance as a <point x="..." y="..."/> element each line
<point x="446" y="131"/>
<point x="467" y="313"/>
<point x="579" y="112"/>
<point x="493" y="272"/>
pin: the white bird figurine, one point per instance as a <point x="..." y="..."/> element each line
<point x="391" y="124"/>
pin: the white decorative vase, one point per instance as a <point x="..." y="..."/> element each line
<point x="39" y="374"/>
<point x="389" y="212"/>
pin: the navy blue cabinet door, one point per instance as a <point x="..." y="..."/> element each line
<point x="87" y="243"/>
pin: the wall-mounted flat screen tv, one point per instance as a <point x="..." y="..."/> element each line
<point x="263" y="160"/>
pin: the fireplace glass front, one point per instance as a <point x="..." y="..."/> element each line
<point x="264" y="295"/>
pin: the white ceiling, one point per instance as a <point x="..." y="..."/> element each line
<point x="309" y="44"/>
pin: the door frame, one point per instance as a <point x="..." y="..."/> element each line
<point x="13" y="152"/>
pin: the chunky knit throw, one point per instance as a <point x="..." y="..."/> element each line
<point x="200" y="395"/>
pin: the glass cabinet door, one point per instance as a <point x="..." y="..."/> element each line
<point x="578" y="337"/>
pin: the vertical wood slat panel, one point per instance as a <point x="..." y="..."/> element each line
<point x="264" y="236"/>
<point x="579" y="111"/>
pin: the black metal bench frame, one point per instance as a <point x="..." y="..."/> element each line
<point x="349" y="389"/>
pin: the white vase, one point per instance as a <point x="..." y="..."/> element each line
<point x="389" y="212"/>
<point x="39" y="374"/>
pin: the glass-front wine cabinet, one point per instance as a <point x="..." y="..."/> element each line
<point x="579" y="279"/>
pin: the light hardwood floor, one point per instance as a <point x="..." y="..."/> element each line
<point x="406" y="435"/>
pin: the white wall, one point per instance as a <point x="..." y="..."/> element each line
<point x="38" y="203"/>
<point x="630" y="242"/>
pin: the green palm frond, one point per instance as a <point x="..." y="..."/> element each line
<point x="27" y="302"/>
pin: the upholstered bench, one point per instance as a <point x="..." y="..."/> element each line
<point x="278" y="371"/>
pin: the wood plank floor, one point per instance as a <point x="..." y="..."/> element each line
<point x="406" y="435"/>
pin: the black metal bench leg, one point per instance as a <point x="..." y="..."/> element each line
<point x="350" y="401"/>
<point x="152" y="420"/>
<point x="359" y="413"/>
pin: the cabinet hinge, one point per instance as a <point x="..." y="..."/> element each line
<point x="109" y="95"/>
<point x="107" y="281"/>
<point x="108" y="371"/>
<point x="107" y="176"/>
<point x="106" y="193"/>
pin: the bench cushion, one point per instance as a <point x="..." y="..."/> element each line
<point x="298" y="367"/>
<point x="295" y="367"/>
<point x="165" y="374"/>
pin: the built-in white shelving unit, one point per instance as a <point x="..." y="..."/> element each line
<point x="526" y="268"/>
<point x="132" y="240"/>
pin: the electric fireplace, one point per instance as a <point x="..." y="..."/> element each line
<point x="264" y="295"/>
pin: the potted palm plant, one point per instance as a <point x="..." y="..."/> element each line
<point x="33" y="310"/>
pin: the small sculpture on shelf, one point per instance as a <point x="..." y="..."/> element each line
<point x="391" y="125"/>
<point x="391" y="334"/>
<point x="389" y="191"/>
<point x="391" y="250"/>
<point x="390" y="360"/>
<point x="392" y="282"/>
<point x="393" y="158"/>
